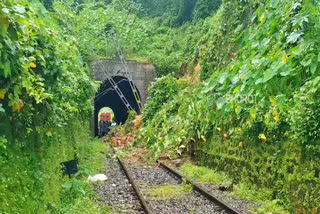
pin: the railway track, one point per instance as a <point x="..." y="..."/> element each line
<point x="144" y="205"/>
<point x="205" y="193"/>
<point x="144" y="178"/>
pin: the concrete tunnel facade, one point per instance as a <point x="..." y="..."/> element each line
<point x="142" y="75"/>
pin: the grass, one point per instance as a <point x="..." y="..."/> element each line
<point x="141" y="60"/>
<point x="258" y="196"/>
<point x="35" y="173"/>
<point x="204" y="175"/>
<point x="253" y="194"/>
<point x="137" y="59"/>
<point x="84" y="205"/>
<point x="169" y="191"/>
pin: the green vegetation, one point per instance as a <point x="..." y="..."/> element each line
<point x="262" y="198"/>
<point x="44" y="112"/>
<point x="255" y="116"/>
<point x="166" y="192"/>
<point x="161" y="91"/>
<point x="204" y="174"/>
<point x="175" y="13"/>
<point x="143" y="38"/>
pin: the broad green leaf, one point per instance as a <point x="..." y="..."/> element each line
<point x="5" y="10"/>
<point x="220" y="102"/>
<point x="274" y="3"/>
<point x="3" y="93"/>
<point x="3" y="140"/>
<point x="268" y="75"/>
<point x="13" y="33"/>
<point x="313" y="67"/>
<point x="285" y="73"/>
<point x="258" y="81"/>
<point x="222" y="78"/>
<point x="306" y="62"/>
<point x="7" y="69"/>
<point x="297" y="50"/>
<point x="1" y="108"/>
<point x="315" y="81"/>
<point x="255" y="44"/>
<point x="235" y="79"/>
<point x="294" y="36"/>
<point x="19" y="9"/>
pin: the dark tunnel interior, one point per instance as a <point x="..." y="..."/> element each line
<point x="107" y="97"/>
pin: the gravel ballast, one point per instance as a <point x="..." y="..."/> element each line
<point x="241" y="205"/>
<point x="116" y="191"/>
<point x="148" y="177"/>
<point x="158" y="188"/>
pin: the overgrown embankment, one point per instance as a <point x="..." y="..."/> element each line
<point x="256" y="115"/>
<point x="44" y="108"/>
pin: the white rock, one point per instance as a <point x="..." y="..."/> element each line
<point x="98" y="177"/>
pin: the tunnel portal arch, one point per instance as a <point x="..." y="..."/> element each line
<point x="142" y="74"/>
<point x="107" y="97"/>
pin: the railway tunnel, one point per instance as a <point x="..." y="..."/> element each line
<point x="107" y="97"/>
<point x="142" y="74"/>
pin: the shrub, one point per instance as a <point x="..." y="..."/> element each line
<point x="160" y="92"/>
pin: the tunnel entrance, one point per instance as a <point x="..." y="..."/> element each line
<point x="107" y="97"/>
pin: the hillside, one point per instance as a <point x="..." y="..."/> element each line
<point x="238" y="93"/>
<point x="254" y="116"/>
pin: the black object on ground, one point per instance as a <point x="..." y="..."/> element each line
<point x="70" y="167"/>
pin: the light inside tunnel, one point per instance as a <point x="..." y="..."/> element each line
<point x="107" y="97"/>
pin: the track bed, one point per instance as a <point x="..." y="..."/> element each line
<point x="149" y="177"/>
<point x="117" y="191"/>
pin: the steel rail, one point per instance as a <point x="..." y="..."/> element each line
<point x="143" y="202"/>
<point x="208" y="195"/>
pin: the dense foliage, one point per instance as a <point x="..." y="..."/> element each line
<point x="175" y="13"/>
<point x="44" y="109"/>
<point x="160" y="92"/>
<point x="256" y="116"/>
<point x="141" y="38"/>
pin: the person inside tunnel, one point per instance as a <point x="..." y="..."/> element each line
<point x="105" y="121"/>
<point x="107" y="97"/>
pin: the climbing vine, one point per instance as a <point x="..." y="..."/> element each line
<point x="255" y="117"/>
<point x="40" y="69"/>
<point x="45" y="92"/>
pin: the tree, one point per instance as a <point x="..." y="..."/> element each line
<point x="205" y="8"/>
<point x="48" y="4"/>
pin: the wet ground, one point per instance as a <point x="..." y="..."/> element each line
<point x="150" y="176"/>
